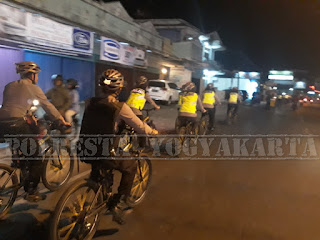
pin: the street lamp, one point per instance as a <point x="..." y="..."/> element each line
<point x="164" y="71"/>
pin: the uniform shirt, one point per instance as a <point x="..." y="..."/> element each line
<point x="126" y="115"/>
<point x="17" y="96"/>
<point x="149" y="100"/>
<point x="207" y="105"/>
<point x="60" y="98"/>
<point x="186" y="114"/>
<point x="74" y="95"/>
<point x="239" y="98"/>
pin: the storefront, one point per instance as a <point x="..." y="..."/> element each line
<point x="57" y="48"/>
<point x="81" y="70"/>
<point x="8" y="56"/>
<point x="129" y="60"/>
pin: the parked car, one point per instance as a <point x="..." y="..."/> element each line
<point x="163" y="90"/>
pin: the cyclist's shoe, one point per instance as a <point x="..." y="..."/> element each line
<point x="34" y="196"/>
<point x="117" y="213"/>
<point x="117" y="207"/>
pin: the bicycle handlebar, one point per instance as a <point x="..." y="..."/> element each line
<point x="149" y="110"/>
<point x="56" y="125"/>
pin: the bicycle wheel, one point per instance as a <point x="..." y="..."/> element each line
<point x="182" y="133"/>
<point x="203" y="125"/>
<point x="141" y="182"/>
<point x="71" y="218"/>
<point x="57" y="168"/>
<point x="229" y="116"/>
<point x="8" y="189"/>
<point x="233" y="115"/>
<point x="177" y="125"/>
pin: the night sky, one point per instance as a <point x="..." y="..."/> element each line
<point x="279" y="34"/>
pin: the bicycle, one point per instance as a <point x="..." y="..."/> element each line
<point x="186" y="132"/>
<point x="78" y="211"/>
<point x="54" y="164"/>
<point x="231" y="114"/>
<point x="151" y="124"/>
<point x="203" y="124"/>
<point x="75" y="127"/>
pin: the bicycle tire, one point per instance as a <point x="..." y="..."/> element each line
<point x="55" y="219"/>
<point x="229" y="117"/>
<point x="14" y="180"/>
<point x="132" y="201"/>
<point x="54" y="187"/>
<point x="182" y="133"/>
<point x="203" y="126"/>
<point x="177" y="125"/>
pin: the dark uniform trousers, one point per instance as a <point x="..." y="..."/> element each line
<point x="18" y="126"/>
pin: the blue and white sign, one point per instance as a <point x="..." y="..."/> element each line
<point x="81" y="39"/>
<point x="36" y="32"/>
<point x="113" y="51"/>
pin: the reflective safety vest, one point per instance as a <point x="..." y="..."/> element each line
<point x="233" y="98"/>
<point x="137" y="98"/>
<point x="188" y="102"/>
<point x="208" y="97"/>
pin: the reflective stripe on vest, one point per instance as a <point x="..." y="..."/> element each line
<point x="188" y="103"/>
<point x="233" y="97"/>
<point x="137" y="99"/>
<point x="208" y="98"/>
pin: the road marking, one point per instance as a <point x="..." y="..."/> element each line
<point x="72" y="179"/>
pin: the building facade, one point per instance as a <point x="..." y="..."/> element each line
<point x="81" y="38"/>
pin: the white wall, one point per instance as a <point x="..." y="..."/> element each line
<point x="188" y="49"/>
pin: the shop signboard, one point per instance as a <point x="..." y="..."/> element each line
<point x="300" y="85"/>
<point x="37" y="32"/>
<point x="140" y="58"/>
<point x="44" y="31"/>
<point x="110" y="50"/>
<point x="13" y="22"/>
<point x="281" y="75"/>
<point x="113" y="51"/>
<point x="127" y="54"/>
<point x="82" y="39"/>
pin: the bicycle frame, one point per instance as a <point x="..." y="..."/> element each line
<point x="106" y="195"/>
<point x="17" y="186"/>
<point x="42" y="140"/>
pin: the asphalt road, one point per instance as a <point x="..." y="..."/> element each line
<point x="247" y="198"/>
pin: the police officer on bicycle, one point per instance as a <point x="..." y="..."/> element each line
<point x="139" y="96"/>
<point x="17" y="96"/>
<point x="234" y="100"/>
<point x="209" y="101"/>
<point x="188" y="102"/>
<point x="104" y="115"/>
